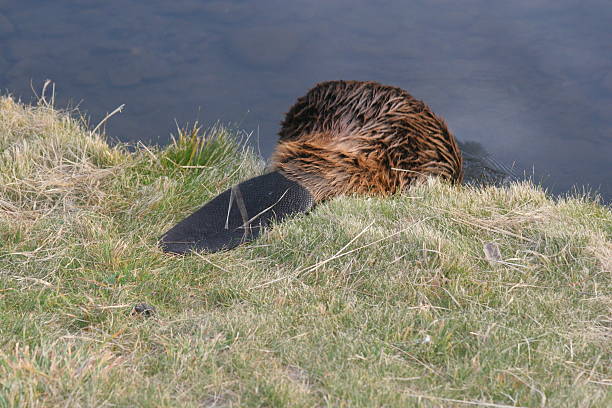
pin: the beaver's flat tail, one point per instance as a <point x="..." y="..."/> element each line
<point x="238" y="215"/>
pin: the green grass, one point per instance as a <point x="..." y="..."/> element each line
<point x="363" y="302"/>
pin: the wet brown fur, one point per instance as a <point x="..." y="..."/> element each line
<point x="347" y="137"/>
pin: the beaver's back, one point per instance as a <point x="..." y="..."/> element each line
<point x="363" y="137"/>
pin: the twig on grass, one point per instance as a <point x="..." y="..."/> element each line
<point x="336" y="255"/>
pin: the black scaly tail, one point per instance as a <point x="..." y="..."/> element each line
<point x="238" y="215"/>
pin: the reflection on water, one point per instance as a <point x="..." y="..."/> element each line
<point x="479" y="168"/>
<point x="529" y="80"/>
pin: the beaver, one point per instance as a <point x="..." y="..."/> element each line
<point x="342" y="137"/>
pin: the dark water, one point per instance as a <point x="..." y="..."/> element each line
<point x="529" y="80"/>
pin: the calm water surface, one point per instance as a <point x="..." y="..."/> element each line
<point x="529" y="80"/>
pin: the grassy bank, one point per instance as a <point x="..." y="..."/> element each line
<point x="363" y="302"/>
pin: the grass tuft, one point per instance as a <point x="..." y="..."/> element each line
<point x="194" y="148"/>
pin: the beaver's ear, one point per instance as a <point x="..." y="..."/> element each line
<point x="238" y="215"/>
